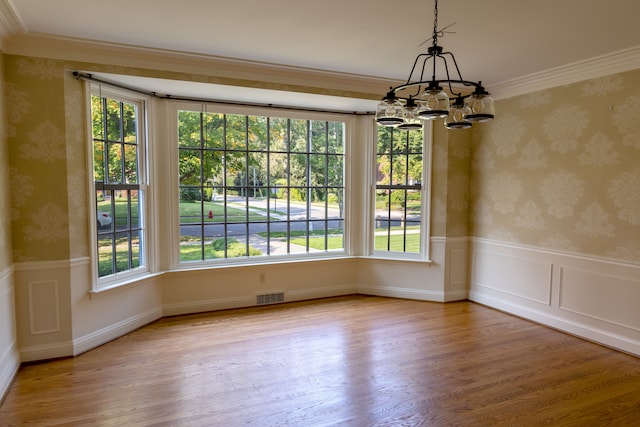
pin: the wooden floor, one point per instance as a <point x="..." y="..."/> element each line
<point x="349" y="361"/>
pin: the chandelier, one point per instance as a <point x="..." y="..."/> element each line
<point x="460" y="102"/>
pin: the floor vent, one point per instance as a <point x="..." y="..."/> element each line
<point x="270" y="298"/>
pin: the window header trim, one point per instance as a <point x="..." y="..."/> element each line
<point x="90" y="77"/>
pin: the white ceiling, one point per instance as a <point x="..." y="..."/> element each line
<point x="493" y="40"/>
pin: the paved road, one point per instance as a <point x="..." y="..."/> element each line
<point x="297" y="219"/>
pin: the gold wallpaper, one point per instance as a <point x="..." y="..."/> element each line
<point x="560" y="169"/>
<point x="38" y="153"/>
<point x="557" y="169"/>
<point x="451" y="156"/>
<point x="5" y="200"/>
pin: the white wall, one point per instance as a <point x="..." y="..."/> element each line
<point x="232" y="287"/>
<point x="58" y="315"/>
<point x="442" y="279"/>
<point x="593" y="298"/>
<point x="9" y="356"/>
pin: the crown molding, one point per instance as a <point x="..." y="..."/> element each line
<point x="213" y="69"/>
<point x="10" y="22"/>
<point x="600" y="66"/>
<point x="223" y="70"/>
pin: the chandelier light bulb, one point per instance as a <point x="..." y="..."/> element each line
<point x="390" y="111"/>
<point x="480" y="106"/>
<point x="433" y="101"/>
<point x="411" y="121"/>
<point x="434" y="104"/>
<point x="456" y="118"/>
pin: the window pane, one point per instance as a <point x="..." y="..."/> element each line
<point x="114" y="163"/>
<point x="318" y="168"/>
<point x="336" y="138"/>
<point x="129" y="123"/>
<point x="122" y="252"/>
<point x="191" y="243"/>
<point x="318" y="137"/>
<point x="257" y="133"/>
<point x="189" y="166"/>
<point x="113" y="120"/>
<point x="257" y="174"/>
<point x="213" y="132"/>
<point x="98" y="161"/>
<point x="131" y="164"/>
<point x="134" y="210"/>
<point x="97" y="117"/>
<point x="119" y="211"/>
<point x="298" y="135"/>
<point x="136" y="250"/>
<point x="298" y="170"/>
<point x="398" y="170"/>
<point x="383" y="175"/>
<point x="188" y="129"/>
<point x="335" y="171"/>
<point x="236" y="132"/>
<point x="256" y="195"/>
<point x="211" y="165"/>
<point x="278" y="169"/>
<point x="398" y="191"/>
<point x="105" y="255"/>
<point x="278" y="134"/>
<point x="384" y="139"/>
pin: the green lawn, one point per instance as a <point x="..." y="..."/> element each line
<point x="213" y="250"/>
<point x="396" y="242"/>
<point x="333" y="242"/>
<point x="190" y="212"/>
<point x="336" y="242"/>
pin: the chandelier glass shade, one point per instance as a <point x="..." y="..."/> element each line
<point x="460" y="102"/>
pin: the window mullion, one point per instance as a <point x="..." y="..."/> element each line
<point x="308" y="182"/>
<point x="200" y="184"/>
<point x="288" y="238"/>
<point x="246" y="183"/>
<point x="269" y="183"/>
<point x="224" y="177"/>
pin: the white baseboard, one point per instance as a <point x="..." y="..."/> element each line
<point x="9" y="365"/>
<point x="405" y="293"/>
<point x="590" y="297"/>
<point x="324" y="292"/>
<point x="201" y="306"/>
<point x="116" y="330"/>
<point x="46" y="351"/>
<point x="582" y="330"/>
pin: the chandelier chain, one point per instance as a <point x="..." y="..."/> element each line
<point x="406" y="110"/>
<point x="435" y="24"/>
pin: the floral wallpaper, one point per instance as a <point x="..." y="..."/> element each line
<point x="37" y="149"/>
<point x="557" y="169"/>
<point x="5" y="200"/>
<point x="451" y="156"/>
<point x="560" y="169"/>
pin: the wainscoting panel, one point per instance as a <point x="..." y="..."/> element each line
<point x="521" y="277"/>
<point x="44" y="306"/>
<point x="442" y="279"/>
<point x="603" y="297"/>
<point x="595" y="298"/>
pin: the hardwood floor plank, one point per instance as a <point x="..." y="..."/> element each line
<point x="348" y="361"/>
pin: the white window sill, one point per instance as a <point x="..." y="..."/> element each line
<point x="128" y="283"/>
